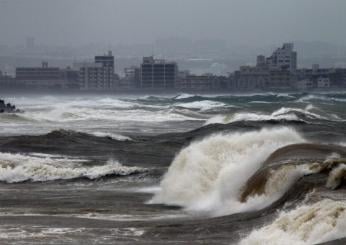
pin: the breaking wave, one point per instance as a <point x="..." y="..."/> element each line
<point x="113" y="136"/>
<point x="324" y="98"/>
<point x="284" y="113"/>
<point x="16" y="168"/>
<point x="209" y="175"/>
<point x="184" y="96"/>
<point x="203" y="105"/>
<point x="308" y="224"/>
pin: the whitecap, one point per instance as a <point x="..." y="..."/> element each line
<point x="320" y="222"/>
<point x="37" y="168"/>
<point x="114" y="136"/>
<point x="201" y="105"/>
<point x="184" y="96"/>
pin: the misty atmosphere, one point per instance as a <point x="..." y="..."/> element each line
<point x="225" y="32"/>
<point x="163" y="122"/>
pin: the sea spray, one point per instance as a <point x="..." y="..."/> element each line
<point x="208" y="175"/>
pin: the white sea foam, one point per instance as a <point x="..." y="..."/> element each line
<point x="308" y="224"/>
<point x="201" y="105"/>
<point x="63" y="235"/>
<point x="323" y="98"/>
<point x="78" y="114"/>
<point x="184" y="96"/>
<point x="18" y="168"/>
<point x="284" y="113"/>
<point x="54" y="110"/>
<point x="114" y="136"/>
<point x="208" y="175"/>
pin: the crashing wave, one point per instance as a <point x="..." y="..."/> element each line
<point x="308" y="224"/>
<point x="209" y="175"/>
<point x="16" y="168"/>
<point x="274" y="182"/>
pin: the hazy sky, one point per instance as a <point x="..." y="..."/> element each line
<point x="74" y="22"/>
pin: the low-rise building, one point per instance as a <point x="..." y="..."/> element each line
<point x="46" y="77"/>
<point x="304" y="84"/>
<point x="206" y="82"/>
<point x="323" y="82"/>
<point x="43" y="77"/>
<point x="7" y="81"/>
<point x="251" y="78"/>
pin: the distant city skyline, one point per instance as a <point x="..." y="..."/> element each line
<point x="112" y="22"/>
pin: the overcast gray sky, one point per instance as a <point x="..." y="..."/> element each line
<point x="74" y="22"/>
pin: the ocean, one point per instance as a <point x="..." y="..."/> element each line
<point x="260" y="168"/>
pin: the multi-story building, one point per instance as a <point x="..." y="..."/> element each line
<point x="158" y="74"/>
<point x="338" y="78"/>
<point x="131" y="79"/>
<point x="207" y="82"/>
<point x="46" y="77"/>
<point x="281" y="80"/>
<point x="330" y="77"/>
<point x="40" y="77"/>
<point x="71" y="78"/>
<point x="250" y="78"/>
<point x="7" y="81"/>
<point x="284" y="58"/>
<point x="323" y="82"/>
<point x="98" y="75"/>
<point x="275" y="72"/>
<point x="304" y="84"/>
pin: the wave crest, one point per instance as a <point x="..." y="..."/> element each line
<point x="16" y="168"/>
<point x="209" y="174"/>
<point x="284" y="113"/>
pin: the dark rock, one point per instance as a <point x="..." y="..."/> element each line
<point x="8" y="108"/>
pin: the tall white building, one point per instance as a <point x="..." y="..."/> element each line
<point x="284" y="58"/>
